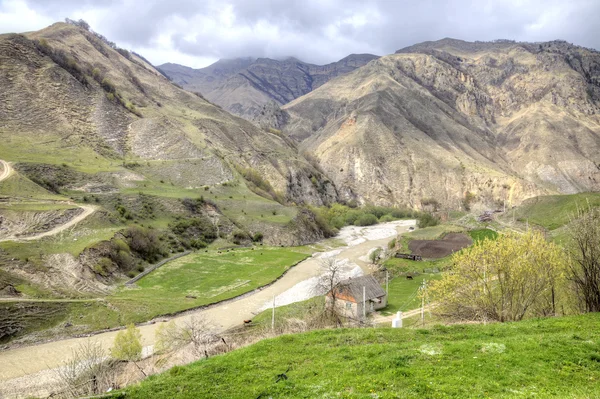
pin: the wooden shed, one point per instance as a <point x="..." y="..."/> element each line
<point x="349" y="296"/>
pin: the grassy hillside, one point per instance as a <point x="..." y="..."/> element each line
<point x="549" y="358"/>
<point x="113" y="134"/>
<point x="553" y="211"/>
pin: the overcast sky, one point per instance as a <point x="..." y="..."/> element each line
<point x="198" y="32"/>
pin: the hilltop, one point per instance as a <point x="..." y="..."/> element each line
<point x="244" y="86"/>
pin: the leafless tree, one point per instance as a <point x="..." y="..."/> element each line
<point x="196" y="332"/>
<point x="89" y="371"/>
<point x="585" y="253"/>
<point x="328" y="284"/>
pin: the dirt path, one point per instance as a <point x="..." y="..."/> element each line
<point x="18" y="299"/>
<point x="28" y="361"/>
<point x="6" y="170"/>
<point x="87" y="211"/>
<point x="379" y="319"/>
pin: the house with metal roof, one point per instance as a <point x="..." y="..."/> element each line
<point x="351" y="294"/>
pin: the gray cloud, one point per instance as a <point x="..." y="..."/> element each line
<point x="316" y="30"/>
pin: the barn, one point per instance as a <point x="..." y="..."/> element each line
<point x="349" y="296"/>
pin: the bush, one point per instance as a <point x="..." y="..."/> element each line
<point x="128" y="344"/>
<point x="257" y="237"/>
<point x="427" y="220"/>
<point x="103" y="267"/>
<point x="145" y="242"/>
<point x="62" y="59"/>
<point x="367" y="219"/>
<point x="386" y="218"/>
<point x="195" y="228"/>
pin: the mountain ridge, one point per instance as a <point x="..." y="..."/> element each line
<point x="244" y="86"/>
<point x="519" y="112"/>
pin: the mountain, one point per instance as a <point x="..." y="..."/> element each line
<point x="244" y="85"/>
<point x="459" y="122"/>
<point x="101" y="147"/>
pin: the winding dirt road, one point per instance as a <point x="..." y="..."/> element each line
<point x="27" y="361"/>
<point x="87" y="211"/>
<point x="6" y="170"/>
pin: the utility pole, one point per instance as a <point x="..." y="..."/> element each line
<point x="484" y="292"/>
<point x="423" y="287"/>
<point x="273" y="315"/>
<point x="387" y="283"/>
<point x="364" y="303"/>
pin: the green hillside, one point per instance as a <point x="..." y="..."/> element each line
<point x="547" y="358"/>
<point x="553" y="211"/>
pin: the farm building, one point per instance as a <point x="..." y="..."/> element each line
<point x="349" y="296"/>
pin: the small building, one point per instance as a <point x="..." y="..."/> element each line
<point x="349" y="296"/>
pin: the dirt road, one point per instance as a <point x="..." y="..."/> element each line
<point x="87" y="211"/>
<point x="30" y="360"/>
<point x="6" y="170"/>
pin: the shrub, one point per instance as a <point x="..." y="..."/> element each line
<point x="257" y="237"/>
<point x="103" y="267"/>
<point x="367" y="219"/>
<point x="145" y="242"/>
<point x="427" y="220"/>
<point x="62" y="59"/>
<point x="386" y="218"/>
<point x="128" y="344"/>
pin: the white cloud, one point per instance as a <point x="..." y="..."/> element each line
<point x="16" y="17"/>
<point x="197" y="32"/>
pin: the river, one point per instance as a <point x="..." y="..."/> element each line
<point x="30" y="367"/>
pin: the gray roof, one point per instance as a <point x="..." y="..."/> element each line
<point x="352" y="289"/>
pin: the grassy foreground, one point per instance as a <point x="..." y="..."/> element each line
<point x="548" y="358"/>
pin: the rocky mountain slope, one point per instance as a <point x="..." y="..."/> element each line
<point x="82" y="120"/>
<point x="243" y="86"/>
<point x="459" y="122"/>
<point x="119" y="106"/>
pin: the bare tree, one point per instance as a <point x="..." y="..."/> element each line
<point x="328" y="284"/>
<point x="89" y="371"/>
<point x="196" y="332"/>
<point x="585" y="252"/>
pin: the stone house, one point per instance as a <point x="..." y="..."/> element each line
<point x="349" y="296"/>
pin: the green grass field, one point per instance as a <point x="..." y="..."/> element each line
<point x="404" y="294"/>
<point x="209" y="277"/>
<point x="548" y="358"/>
<point x="482" y="234"/>
<point x="553" y="211"/>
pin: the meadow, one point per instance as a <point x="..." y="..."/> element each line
<point x="542" y="358"/>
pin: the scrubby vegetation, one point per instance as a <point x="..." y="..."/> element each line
<point x="258" y="184"/>
<point x="337" y="215"/>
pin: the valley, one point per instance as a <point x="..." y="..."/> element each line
<point x="186" y="202"/>
<point x="223" y="315"/>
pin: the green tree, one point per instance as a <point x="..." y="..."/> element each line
<point x="507" y="279"/>
<point x="128" y="344"/>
